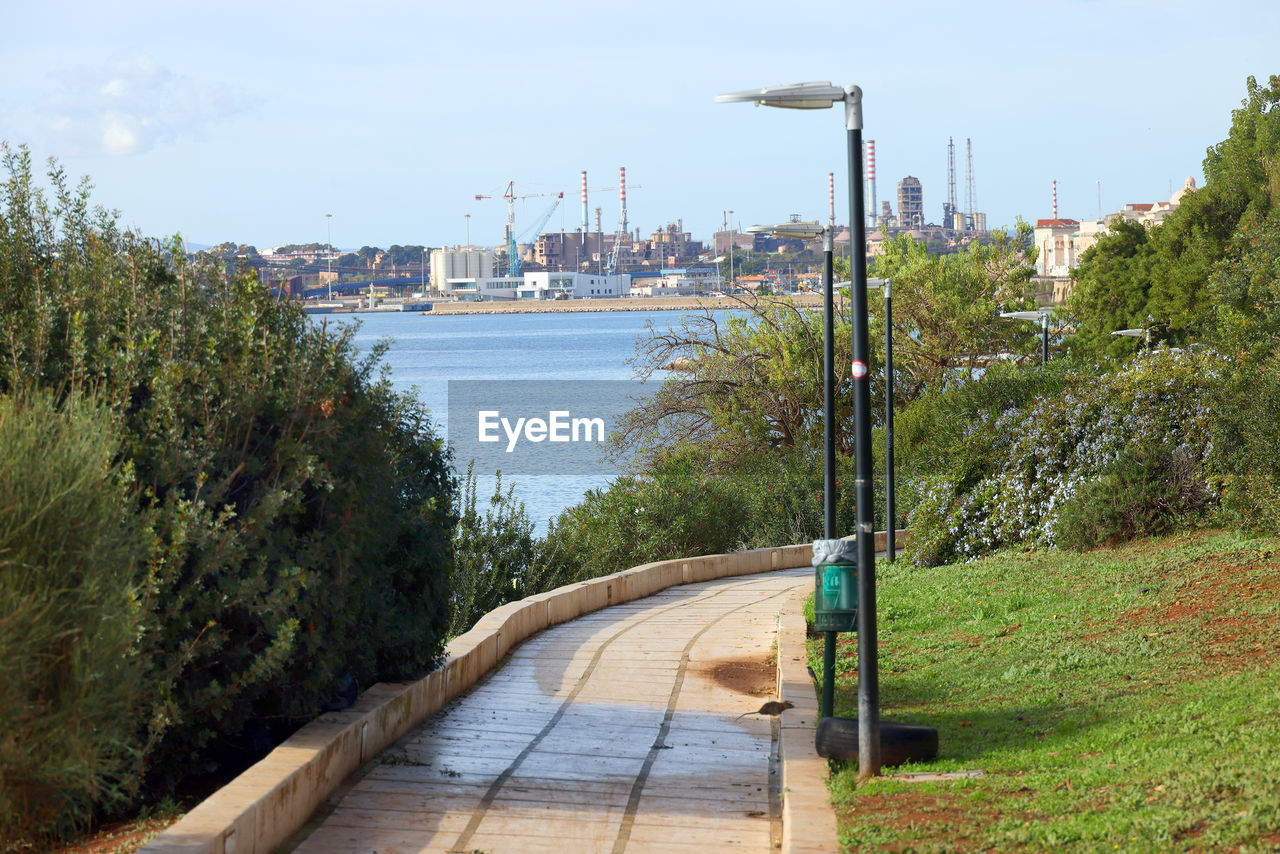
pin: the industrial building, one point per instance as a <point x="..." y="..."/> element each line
<point x="459" y="267"/>
<point x="957" y="226"/>
<point x="910" y="203"/>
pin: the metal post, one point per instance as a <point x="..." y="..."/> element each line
<point x="1044" y="337"/>
<point x="868" y="663"/>
<point x="328" y="251"/>
<point x="828" y="450"/>
<point x="890" y="514"/>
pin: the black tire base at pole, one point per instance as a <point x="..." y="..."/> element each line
<point x="837" y="738"/>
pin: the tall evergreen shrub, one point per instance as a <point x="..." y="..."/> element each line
<point x="300" y="510"/>
<point x="70" y="546"/>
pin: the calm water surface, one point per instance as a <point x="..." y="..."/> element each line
<point x="427" y="351"/>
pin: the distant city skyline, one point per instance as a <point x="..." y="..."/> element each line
<point x="252" y="122"/>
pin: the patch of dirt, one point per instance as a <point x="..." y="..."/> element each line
<point x="1219" y="606"/>
<point x="117" y="838"/>
<point x="921" y="819"/>
<point x="754" y="676"/>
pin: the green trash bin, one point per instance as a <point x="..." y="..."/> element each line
<point x="835" y="580"/>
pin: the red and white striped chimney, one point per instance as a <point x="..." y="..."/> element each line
<point x="622" y="190"/>
<point x="584" y="201"/>
<point x="1055" y="199"/>
<point x="871" y="179"/>
<point x="831" y="198"/>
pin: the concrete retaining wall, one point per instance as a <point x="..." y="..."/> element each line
<point x="265" y="805"/>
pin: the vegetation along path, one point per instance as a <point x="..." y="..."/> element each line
<point x="1121" y="699"/>
<point x="617" y="731"/>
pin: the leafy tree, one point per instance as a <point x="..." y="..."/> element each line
<point x="751" y="379"/>
<point x="1111" y="290"/>
<point x="1204" y="273"/>
<point x="946" y="307"/>
<point x="1248" y="277"/>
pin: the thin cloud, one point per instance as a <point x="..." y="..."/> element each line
<point x="124" y="107"/>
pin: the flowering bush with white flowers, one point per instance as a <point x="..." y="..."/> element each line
<point x="1038" y="455"/>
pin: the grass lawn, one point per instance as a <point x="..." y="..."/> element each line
<point x="1122" y="699"/>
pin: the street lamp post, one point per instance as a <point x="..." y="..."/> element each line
<point x="812" y="96"/>
<point x="1136" y="333"/>
<point x="731" y="248"/>
<point x="328" y="251"/>
<point x="808" y="231"/>
<point x="1042" y="316"/>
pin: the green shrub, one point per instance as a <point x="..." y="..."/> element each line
<point x="675" y="509"/>
<point x="783" y="496"/>
<point x="70" y="548"/>
<point x="300" y="510"/>
<point x="1148" y="491"/>
<point x="1028" y="461"/>
<point x="495" y="554"/>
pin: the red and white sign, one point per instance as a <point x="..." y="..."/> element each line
<point x="859" y="369"/>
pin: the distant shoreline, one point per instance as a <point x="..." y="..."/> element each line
<point x="589" y="305"/>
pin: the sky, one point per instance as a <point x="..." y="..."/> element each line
<point x="249" y="122"/>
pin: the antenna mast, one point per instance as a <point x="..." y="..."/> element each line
<point x="970" y="201"/>
<point x="950" y="210"/>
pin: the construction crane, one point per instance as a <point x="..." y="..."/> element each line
<point x="513" y="263"/>
<point x="535" y="230"/>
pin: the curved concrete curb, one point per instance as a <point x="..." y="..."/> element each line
<point x="265" y="805"/>
<point x="808" y="819"/>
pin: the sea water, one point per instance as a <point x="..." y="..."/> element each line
<point x="425" y="352"/>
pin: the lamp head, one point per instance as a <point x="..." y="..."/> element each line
<point x="1024" y="315"/>
<point x="801" y="230"/>
<point x="797" y="96"/>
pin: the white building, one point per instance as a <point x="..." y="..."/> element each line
<point x="460" y="268"/>
<point x="549" y="285"/>
<point x="541" y="286"/>
<point x="1062" y="241"/>
<point x="681" y="283"/>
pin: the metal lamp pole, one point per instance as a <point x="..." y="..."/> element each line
<point x="808" y="231"/>
<point x="1041" y="315"/>
<point x="813" y="96"/>
<point x="328" y="250"/>
<point x="828" y="449"/>
<point x="868" y="659"/>
<point x="731" y="247"/>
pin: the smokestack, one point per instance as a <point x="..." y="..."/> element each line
<point x="871" y="177"/>
<point x="584" y="201"/>
<point x="1055" y="199"/>
<point x="622" y="189"/>
<point x="831" y="197"/>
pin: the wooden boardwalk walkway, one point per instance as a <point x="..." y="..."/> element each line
<point x="614" y="732"/>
